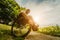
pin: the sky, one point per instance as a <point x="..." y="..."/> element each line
<point x="44" y="12"/>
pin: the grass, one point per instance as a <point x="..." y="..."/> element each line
<point x="5" y="33"/>
<point x="50" y="30"/>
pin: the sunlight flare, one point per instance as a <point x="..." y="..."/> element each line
<point x="36" y="19"/>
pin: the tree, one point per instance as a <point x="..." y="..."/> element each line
<point x="9" y="10"/>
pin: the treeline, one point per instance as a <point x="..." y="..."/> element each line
<point x="51" y="30"/>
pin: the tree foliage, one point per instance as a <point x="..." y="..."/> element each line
<point x="9" y="10"/>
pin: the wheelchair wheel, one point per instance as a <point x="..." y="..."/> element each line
<point x="22" y="31"/>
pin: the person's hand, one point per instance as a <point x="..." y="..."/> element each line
<point x="35" y="27"/>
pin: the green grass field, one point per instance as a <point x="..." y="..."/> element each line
<point x="50" y="30"/>
<point x="5" y="33"/>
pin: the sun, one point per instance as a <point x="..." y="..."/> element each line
<point x="36" y="19"/>
<point x="38" y="16"/>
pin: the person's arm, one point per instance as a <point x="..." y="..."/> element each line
<point x="34" y="26"/>
<point x="31" y="19"/>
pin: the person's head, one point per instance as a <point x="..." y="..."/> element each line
<point x="27" y="11"/>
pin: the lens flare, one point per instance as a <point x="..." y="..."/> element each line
<point x="36" y="19"/>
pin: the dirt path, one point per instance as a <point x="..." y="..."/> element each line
<point x="39" y="36"/>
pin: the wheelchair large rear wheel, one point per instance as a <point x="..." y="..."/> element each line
<point x="22" y="31"/>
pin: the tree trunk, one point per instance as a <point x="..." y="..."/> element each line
<point x="12" y="28"/>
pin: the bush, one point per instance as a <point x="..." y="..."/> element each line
<point x="51" y="30"/>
